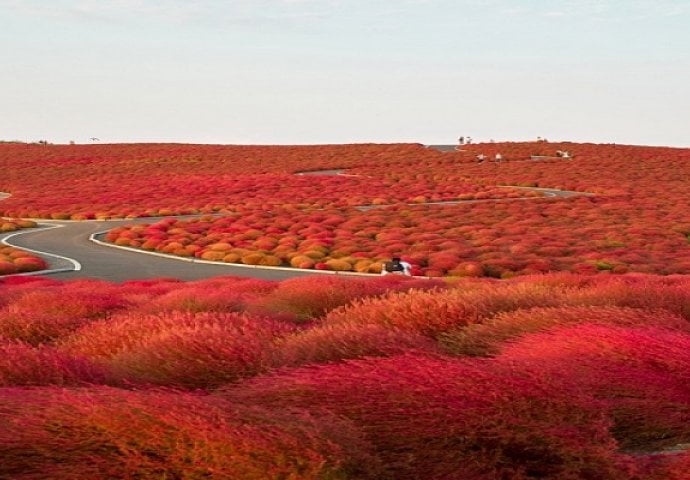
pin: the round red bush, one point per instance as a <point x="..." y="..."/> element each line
<point x="104" y="433"/>
<point x="439" y="418"/>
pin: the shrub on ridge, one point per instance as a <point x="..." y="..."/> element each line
<point x="180" y="349"/>
<point x="437" y="418"/>
<point x="436" y="311"/>
<point x="25" y="365"/>
<point x="44" y="315"/>
<point x="640" y="374"/>
<point x="103" y="433"/>
<point x="310" y="297"/>
<point x="486" y="338"/>
<point x="328" y="343"/>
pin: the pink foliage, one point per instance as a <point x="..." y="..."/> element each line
<point x="103" y="433"/>
<point x="45" y="314"/>
<point x="640" y="374"/>
<point x="328" y="343"/>
<point x="438" y="418"/>
<point x="312" y="296"/>
<point x="25" y="365"/>
<point x="182" y="349"/>
<point x="435" y="311"/>
<point x="488" y="337"/>
<point x="673" y="464"/>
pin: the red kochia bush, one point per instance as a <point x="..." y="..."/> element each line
<point x="219" y="294"/>
<point x="640" y="374"/>
<point x="45" y="314"/>
<point x="180" y="349"/>
<point x="440" y="418"/>
<point x="14" y="260"/>
<point x="639" y="292"/>
<point x="402" y="283"/>
<point x="327" y="343"/>
<point x="103" y="434"/>
<point x="670" y="465"/>
<point x="488" y="337"/>
<point x="312" y="296"/>
<point x="239" y="285"/>
<point x="31" y="282"/>
<point x="433" y="312"/>
<point x="427" y="313"/>
<point x="197" y="299"/>
<point x="24" y="365"/>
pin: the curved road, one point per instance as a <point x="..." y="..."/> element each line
<point x="71" y="254"/>
<point x="72" y="240"/>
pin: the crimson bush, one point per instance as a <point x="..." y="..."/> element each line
<point x="438" y="418"/>
<point x="104" y="433"/>
<point x="639" y="373"/>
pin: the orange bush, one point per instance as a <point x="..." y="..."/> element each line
<point x="434" y="312"/>
<point x="328" y="343"/>
<point x="25" y="365"/>
<point x="206" y="354"/>
<point x="14" y="260"/>
<point x="44" y="315"/>
<point x="309" y="297"/>
<point x="488" y="337"/>
<point x="101" y="433"/>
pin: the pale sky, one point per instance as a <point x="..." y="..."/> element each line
<point x="345" y="71"/>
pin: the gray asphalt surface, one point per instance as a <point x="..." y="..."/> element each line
<point x="104" y="263"/>
<point x="69" y="242"/>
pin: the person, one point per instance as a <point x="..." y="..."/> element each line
<point x="498" y="157"/>
<point x="397" y="267"/>
<point x="461" y="140"/>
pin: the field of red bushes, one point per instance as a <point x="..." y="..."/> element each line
<point x="117" y="181"/>
<point x="518" y="365"/>
<point x="635" y="219"/>
<point x="557" y="376"/>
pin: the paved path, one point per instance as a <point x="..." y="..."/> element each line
<point x="334" y="171"/>
<point x="444" y="148"/>
<point x="532" y="158"/>
<point x="86" y="259"/>
<point x="551" y="192"/>
<point x="71" y="254"/>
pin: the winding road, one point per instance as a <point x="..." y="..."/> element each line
<point x="73" y="252"/>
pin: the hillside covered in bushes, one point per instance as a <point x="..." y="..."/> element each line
<point x="544" y="377"/>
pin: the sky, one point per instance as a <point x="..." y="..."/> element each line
<point x="345" y="71"/>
